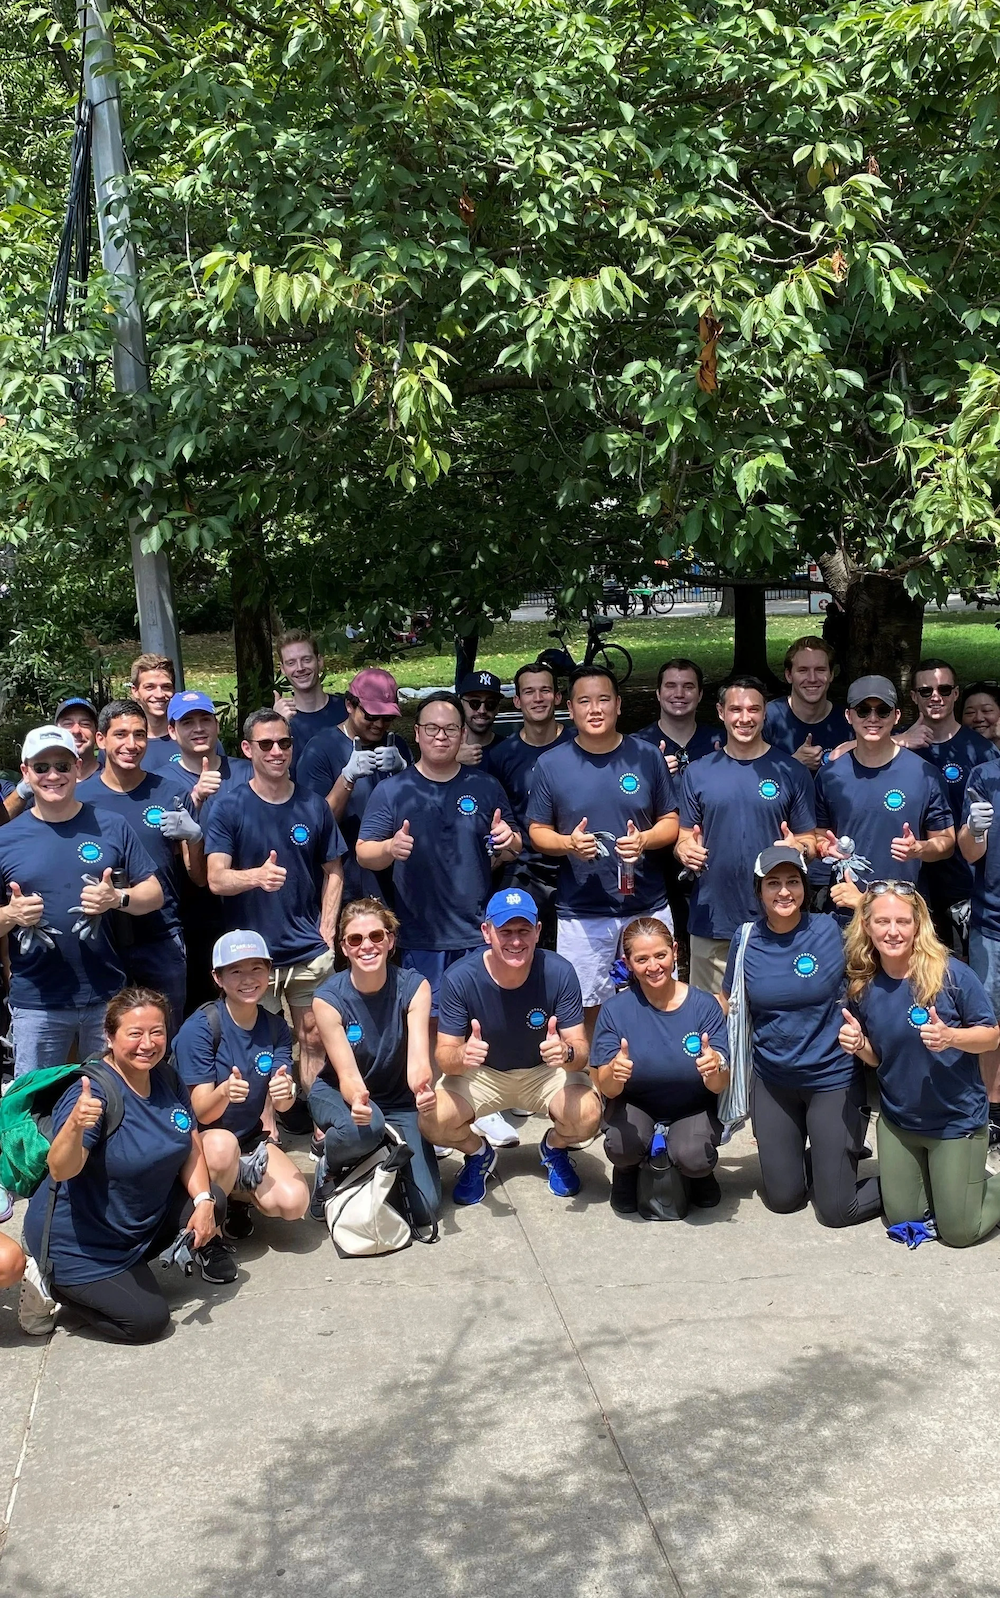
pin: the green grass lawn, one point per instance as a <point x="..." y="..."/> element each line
<point x="969" y="640"/>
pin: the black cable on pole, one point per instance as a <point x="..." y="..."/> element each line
<point x="72" y="267"/>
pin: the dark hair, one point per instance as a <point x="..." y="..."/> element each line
<point x="751" y="684"/>
<point x="680" y="663"/>
<point x="810" y="641"/>
<point x="121" y="707"/>
<point x="527" y="671"/>
<point x="257" y="718"/>
<point x="758" y="882"/>
<point x="440" y="696"/>
<point x="990" y="688"/>
<point x="932" y="663"/>
<point x="645" y="927"/>
<point x="133" y="999"/>
<point x="580" y="672"/>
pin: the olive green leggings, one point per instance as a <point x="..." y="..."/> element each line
<point x="944" y="1175"/>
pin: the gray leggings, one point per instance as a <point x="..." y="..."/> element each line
<point x="692" y="1140"/>
<point x="834" y="1121"/>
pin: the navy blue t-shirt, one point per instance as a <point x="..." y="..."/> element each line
<point x="513" y="1020"/>
<point x="784" y="730"/>
<point x="795" y="982"/>
<point x="513" y="764"/>
<point x="631" y="783"/>
<point x="442" y="889"/>
<point x="304" y="836"/>
<point x="663" y="1046"/>
<point x="739" y="806"/>
<point x="984" y="783"/>
<point x="703" y="741"/>
<point x="871" y="804"/>
<point x="305" y="724"/>
<point x="324" y="759"/>
<point x="377" y="1029"/>
<point x="251" y="1052"/>
<point x="948" y="882"/>
<point x="142" y="809"/>
<point x="52" y="858"/>
<point x="164" y="751"/>
<point x="105" y="1218"/>
<point x="938" y="1095"/>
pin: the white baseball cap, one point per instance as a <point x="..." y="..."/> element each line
<point x="234" y="946"/>
<point x="50" y="737"/>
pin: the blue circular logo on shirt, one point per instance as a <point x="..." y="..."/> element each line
<point x="895" y="799"/>
<point x="467" y="805"/>
<point x="181" y="1120"/>
<point x="692" y="1044"/>
<point x="299" y="834"/>
<point x="768" y="789"/>
<point x="175" y="760"/>
<point x="537" y="1019"/>
<point x="153" y="816"/>
<point x="90" y="853"/>
<point x="825" y="757"/>
<point x="805" y="965"/>
<point x="264" y="1063"/>
<point x="628" y="782"/>
<point x="354" y="1033"/>
<point x="952" y="773"/>
<point x="918" y="1015"/>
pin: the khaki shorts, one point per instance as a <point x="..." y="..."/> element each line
<point x="532" y="1089"/>
<point x="708" y="963"/>
<point x="297" y="984"/>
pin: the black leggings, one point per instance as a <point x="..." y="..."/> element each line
<point x="835" y="1122"/>
<point x="692" y="1140"/>
<point x="130" y="1307"/>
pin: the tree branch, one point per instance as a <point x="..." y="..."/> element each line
<point x="500" y="383"/>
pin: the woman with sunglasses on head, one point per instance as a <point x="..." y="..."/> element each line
<point x="666" y="1060"/>
<point x="374" y="1019"/>
<point x="922" y="1019"/>
<point x="118" y="1196"/>
<point x="979" y="708"/>
<point x="805" y="1089"/>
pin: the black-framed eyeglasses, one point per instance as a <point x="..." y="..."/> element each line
<point x="903" y="890"/>
<point x="882" y="711"/>
<point x="267" y="744"/>
<point x="944" y="692"/>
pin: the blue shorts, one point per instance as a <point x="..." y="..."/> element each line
<point x="984" y="958"/>
<point x="432" y="964"/>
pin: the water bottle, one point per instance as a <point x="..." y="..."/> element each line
<point x="626" y="876"/>
<point x="659" y="1159"/>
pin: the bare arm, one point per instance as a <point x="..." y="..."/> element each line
<point x="663" y="832"/>
<point x="195" y="864"/>
<point x="226" y="882"/>
<point x="145" y="897"/>
<point x="548" y="840"/>
<point x="419" y="1076"/>
<point x="338" y="1050"/>
<point x="333" y="892"/>
<point x="375" y="854"/>
<point x="936" y="845"/>
<point x="970" y="847"/>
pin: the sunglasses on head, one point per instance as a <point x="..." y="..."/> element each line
<point x="936" y="688"/>
<point x="904" y="890"/>
<point x="41" y="767"/>
<point x="267" y="744"/>
<point x="354" y="940"/>
<point x="874" y="708"/>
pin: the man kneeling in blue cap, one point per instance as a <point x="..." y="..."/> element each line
<point x="511" y="1034"/>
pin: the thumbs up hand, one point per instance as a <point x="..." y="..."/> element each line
<point x="934" y="1035"/>
<point x="584" y="844"/>
<point x="281" y="1088"/>
<point x="237" y="1086"/>
<point x="361" y="1110"/>
<point x="27" y="909"/>
<point x="401" y="843"/>
<point x="209" y="782"/>
<point x="846" y="895"/>
<point x="632" y="845"/>
<point x="851" y="1037"/>
<point x="787" y="835"/>
<point x="469" y="754"/>
<point x="621" y="1065"/>
<point x="179" y="825"/>
<point x="712" y="1068"/>
<point x="552" y="1048"/>
<point x="271" y="876"/>
<point x="501" y="832"/>
<point x="87" y="1110"/>
<point x="97" y="897"/>
<point x="420" y="1082"/>
<point x="810" y="754"/>
<point x="476" y="1049"/>
<point x="673" y="764"/>
<point x="691" y="852"/>
<point x="906" y="847"/>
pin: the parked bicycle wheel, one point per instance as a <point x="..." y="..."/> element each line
<point x="613" y="657"/>
<point x="663" y="601"/>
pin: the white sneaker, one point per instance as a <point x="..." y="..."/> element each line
<point x="521" y="1115"/>
<point x="36" y="1308"/>
<point x="497" y="1130"/>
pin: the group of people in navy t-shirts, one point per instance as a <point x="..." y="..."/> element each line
<point x="648" y="936"/>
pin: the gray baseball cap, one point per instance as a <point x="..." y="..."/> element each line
<point x="863" y="688"/>
<point x="778" y="854"/>
<point x="234" y="946"/>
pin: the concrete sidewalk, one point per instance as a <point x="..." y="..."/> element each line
<point x="551" y="1401"/>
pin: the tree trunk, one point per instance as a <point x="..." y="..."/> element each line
<point x="727" y="604"/>
<point x="250" y="580"/>
<point x="750" y="634"/>
<point x="884" y="629"/>
<point x="466" y="649"/>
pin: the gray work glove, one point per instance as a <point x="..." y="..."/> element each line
<point x="361" y="764"/>
<point x="27" y="937"/>
<point x="85" y="926"/>
<point x="980" y="818"/>
<point x="180" y="1253"/>
<point x="24" y="789"/>
<point x="389" y="759"/>
<point x="179" y="824"/>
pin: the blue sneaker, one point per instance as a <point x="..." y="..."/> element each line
<point x="471" y="1185"/>
<point x="563" y="1180"/>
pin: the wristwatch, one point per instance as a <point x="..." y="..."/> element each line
<point x="202" y="1198"/>
<point x="570" y="1053"/>
<point x="123" y="902"/>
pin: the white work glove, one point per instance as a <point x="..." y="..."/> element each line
<point x="980" y="818"/>
<point x="361" y="764"/>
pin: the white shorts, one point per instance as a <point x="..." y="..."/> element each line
<point x="592" y="945"/>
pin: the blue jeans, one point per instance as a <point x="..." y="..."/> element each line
<point x="984" y="958"/>
<point x="346" y="1142"/>
<point x="45" y="1037"/>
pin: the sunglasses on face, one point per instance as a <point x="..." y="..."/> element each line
<point x="267" y="744"/>
<point x="944" y="692"/>
<point x="903" y="890"/>
<point x="877" y="709"/>
<point x="354" y="940"/>
<point x="42" y="767"/>
<point x="479" y="704"/>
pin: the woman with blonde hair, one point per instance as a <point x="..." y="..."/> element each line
<point x="922" y="1019"/>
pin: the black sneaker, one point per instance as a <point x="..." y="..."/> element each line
<point x="624" y="1190"/>
<point x="217" y="1262"/>
<point x="705" y="1192"/>
<point x="238" y="1223"/>
<point x="317" y="1146"/>
<point x="322" y="1188"/>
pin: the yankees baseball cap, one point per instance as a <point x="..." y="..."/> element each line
<point x="479" y="682"/>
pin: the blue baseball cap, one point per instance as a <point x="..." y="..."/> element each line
<point x="509" y="905"/>
<point x="234" y="946"/>
<point x="182" y="704"/>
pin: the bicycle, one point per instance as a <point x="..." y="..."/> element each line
<point x="613" y="657"/>
<point x="654" y="601"/>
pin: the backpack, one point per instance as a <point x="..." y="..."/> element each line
<point x="26" y="1119"/>
<point x="376" y="1208"/>
<point x="212" y="1011"/>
